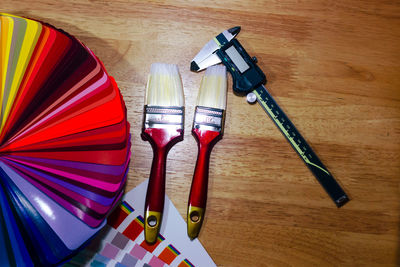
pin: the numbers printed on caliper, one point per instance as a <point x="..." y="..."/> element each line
<point x="288" y="130"/>
<point x="301" y="146"/>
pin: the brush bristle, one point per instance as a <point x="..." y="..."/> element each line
<point x="164" y="86"/>
<point x="212" y="92"/>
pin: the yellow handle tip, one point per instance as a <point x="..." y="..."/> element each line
<point x="194" y="221"/>
<point x="152" y="222"/>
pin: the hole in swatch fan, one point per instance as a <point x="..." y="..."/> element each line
<point x="64" y="143"/>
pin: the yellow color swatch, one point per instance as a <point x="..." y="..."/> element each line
<point x="7" y="28"/>
<point x="30" y="38"/>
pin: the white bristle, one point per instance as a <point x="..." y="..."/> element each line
<point x="212" y="92"/>
<point x="164" y="86"/>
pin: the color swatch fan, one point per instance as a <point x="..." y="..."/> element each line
<point x="64" y="143"/>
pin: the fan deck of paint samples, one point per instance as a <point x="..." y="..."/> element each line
<point x="64" y="143"/>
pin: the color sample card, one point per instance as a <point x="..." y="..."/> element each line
<point x="64" y="145"/>
<point x="121" y="242"/>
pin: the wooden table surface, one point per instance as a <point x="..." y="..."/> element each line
<point x="333" y="66"/>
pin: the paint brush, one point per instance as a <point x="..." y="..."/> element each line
<point x="208" y="126"/>
<point x="163" y="127"/>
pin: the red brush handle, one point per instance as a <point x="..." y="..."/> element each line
<point x="205" y="143"/>
<point x="161" y="141"/>
<point x="198" y="192"/>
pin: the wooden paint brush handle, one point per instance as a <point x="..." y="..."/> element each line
<point x="161" y="141"/>
<point x="198" y="192"/>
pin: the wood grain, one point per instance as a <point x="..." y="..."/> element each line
<point x="333" y="66"/>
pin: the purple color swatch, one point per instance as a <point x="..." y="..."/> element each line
<point x="138" y="252"/>
<point x="156" y="262"/>
<point x="120" y="240"/>
<point x="129" y="260"/>
<point x="110" y="251"/>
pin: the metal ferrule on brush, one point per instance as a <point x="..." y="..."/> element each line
<point x="163" y="117"/>
<point x="210" y="119"/>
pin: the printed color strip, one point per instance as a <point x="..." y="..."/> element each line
<point x="119" y="215"/>
<point x="169" y="254"/>
<point x="134" y="228"/>
<point x="151" y="248"/>
<point x="127" y="208"/>
<point x="185" y="263"/>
